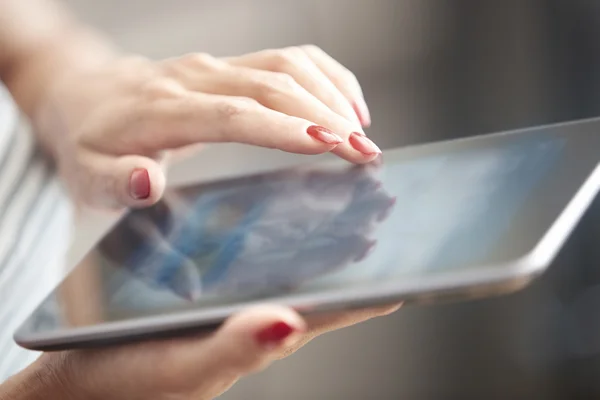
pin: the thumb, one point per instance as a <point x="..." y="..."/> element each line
<point x="246" y="343"/>
<point x="250" y="340"/>
<point x="126" y="181"/>
<point x="195" y="366"/>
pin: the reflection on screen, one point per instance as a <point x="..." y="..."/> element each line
<point x="243" y="238"/>
<point x="303" y="230"/>
<point x="452" y="210"/>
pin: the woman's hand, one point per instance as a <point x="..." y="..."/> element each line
<point x="109" y="126"/>
<point x="186" y="368"/>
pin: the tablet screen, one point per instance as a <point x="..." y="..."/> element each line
<point x="319" y="228"/>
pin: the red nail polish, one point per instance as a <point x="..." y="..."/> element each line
<point x="274" y="334"/>
<point x="323" y="134"/>
<point x="362" y="111"/>
<point x="139" y="184"/>
<point x="363" y="144"/>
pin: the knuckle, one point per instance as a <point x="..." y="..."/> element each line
<point x="201" y="60"/>
<point x="311" y="48"/>
<point x="197" y="58"/>
<point x="284" y="57"/>
<point x="272" y="87"/>
<point x="233" y="108"/>
<point x="349" y="77"/>
<point x="159" y="89"/>
<point x="274" y="83"/>
<point x="281" y="80"/>
<point x="171" y="67"/>
<point x="293" y="51"/>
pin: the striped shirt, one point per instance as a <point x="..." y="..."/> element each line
<point x="35" y="223"/>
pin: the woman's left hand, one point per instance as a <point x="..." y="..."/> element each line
<point x="192" y="367"/>
<point x="109" y="126"/>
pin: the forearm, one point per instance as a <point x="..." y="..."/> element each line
<point x="40" y="42"/>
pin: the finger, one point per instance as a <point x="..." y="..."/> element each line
<point x="199" y="118"/>
<point x="343" y="79"/>
<point x="328" y="322"/>
<point x="296" y="63"/>
<point x="259" y="334"/>
<point x="321" y="324"/>
<point x="277" y="92"/>
<point x="126" y="181"/>
<point x="195" y="367"/>
<point x="248" y="342"/>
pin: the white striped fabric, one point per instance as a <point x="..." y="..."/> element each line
<point x="35" y="223"/>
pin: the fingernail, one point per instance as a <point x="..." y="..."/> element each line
<point x="323" y="134"/>
<point x="363" y="144"/>
<point x="362" y="111"/>
<point x="275" y="334"/>
<point x="139" y="184"/>
<point x="378" y="161"/>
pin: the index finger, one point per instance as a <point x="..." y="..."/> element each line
<point x="199" y="118"/>
<point x="343" y="79"/>
<point x="321" y="324"/>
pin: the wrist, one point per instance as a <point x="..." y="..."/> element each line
<point x="72" y="51"/>
<point x="49" y="378"/>
<point x="70" y="48"/>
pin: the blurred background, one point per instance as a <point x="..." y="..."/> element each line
<point x="431" y="70"/>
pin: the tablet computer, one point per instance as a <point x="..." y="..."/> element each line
<point x="450" y="220"/>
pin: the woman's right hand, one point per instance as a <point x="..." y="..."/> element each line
<point x="109" y="125"/>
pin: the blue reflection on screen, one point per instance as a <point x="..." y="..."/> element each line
<point x="301" y="231"/>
